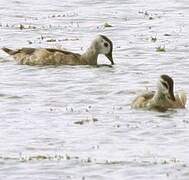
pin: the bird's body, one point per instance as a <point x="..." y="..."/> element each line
<point x="152" y="101"/>
<point x="43" y="56"/>
<point x="48" y="56"/>
<point x="162" y="99"/>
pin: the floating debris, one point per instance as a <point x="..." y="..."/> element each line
<point x="51" y="40"/>
<point x="57" y="15"/>
<point x="21" y="26"/>
<point x="69" y="39"/>
<point x="144" y="12"/>
<point x="39" y="157"/>
<point x="148" y="15"/>
<point x="153" y="39"/>
<point x="89" y="160"/>
<point x="166" y="34"/>
<point x="185" y="121"/>
<point x="68" y="157"/>
<point x="42" y="37"/>
<point x="109" y="162"/>
<point x="81" y="122"/>
<point x="29" y="42"/>
<point x="95" y="119"/>
<point x="118" y="126"/>
<point x="106" y="25"/>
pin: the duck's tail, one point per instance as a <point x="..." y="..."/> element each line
<point x="182" y="97"/>
<point x="8" y="51"/>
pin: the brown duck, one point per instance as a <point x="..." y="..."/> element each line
<point x="47" y="56"/>
<point x="163" y="98"/>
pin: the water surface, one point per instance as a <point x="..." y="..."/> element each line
<point x="76" y="122"/>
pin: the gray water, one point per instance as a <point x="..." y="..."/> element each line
<point x="64" y="123"/>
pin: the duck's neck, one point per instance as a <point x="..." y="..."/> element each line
<point x="90" y="56"/>
<point x="159" y="97"/>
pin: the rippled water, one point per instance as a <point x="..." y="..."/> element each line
<point x="76" y="122"/>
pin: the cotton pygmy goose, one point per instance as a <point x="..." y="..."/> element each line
<point x="47" y="56"/>
<point x="163" y="99"/>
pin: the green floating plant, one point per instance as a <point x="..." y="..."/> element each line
<point x="160" y="49"/>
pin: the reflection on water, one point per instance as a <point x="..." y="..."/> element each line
<point x="76" y="122"/>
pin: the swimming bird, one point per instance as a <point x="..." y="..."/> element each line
<point x="163" y="98"/>
<point x="47" y="56"/>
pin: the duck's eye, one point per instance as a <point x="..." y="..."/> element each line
<point x="106" y="44"/>
<point x="165" y="85"/>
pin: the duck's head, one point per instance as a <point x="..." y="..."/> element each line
<point x="166" y="86"/>
<point x="105" y="46"/>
